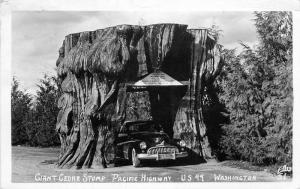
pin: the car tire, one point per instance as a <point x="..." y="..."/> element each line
<point x="108" y="154"/>
<point x="134" y="160"/>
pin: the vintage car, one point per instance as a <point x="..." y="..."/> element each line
<point x="145" y="140"/>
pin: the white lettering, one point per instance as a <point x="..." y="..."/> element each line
<point x="90" y="178"/>
<point x="233" y="178"/>
<point x="66" y="178"/>
<point x="118" y="178"/>
<point x="44" y="178"/>
<point x="145" y="178"/>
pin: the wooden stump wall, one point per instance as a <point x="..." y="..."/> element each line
<point x="94" y="68"/>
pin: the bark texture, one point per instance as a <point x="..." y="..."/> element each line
<point x="95" y="69"/>
<point x="205" y="62"/>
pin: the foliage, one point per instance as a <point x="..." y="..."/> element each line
<point x="20" y="106"/>
<point x="35" y="126"/>
<point x="138" y="106"/>
<point x="42" y="120"/>
<point x="256" y="87"/>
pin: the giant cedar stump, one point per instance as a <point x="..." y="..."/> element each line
<point x="95" y="67"/>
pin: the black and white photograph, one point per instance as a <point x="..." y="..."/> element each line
<point x="156" y="96"/>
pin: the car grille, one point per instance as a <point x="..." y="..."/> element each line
<point x="162" y="150"/>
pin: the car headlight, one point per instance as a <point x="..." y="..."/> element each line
<point x="143" y="145"/>
<point x="182" y="143"/>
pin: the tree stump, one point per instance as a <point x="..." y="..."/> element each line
<point x="94" y="69"/>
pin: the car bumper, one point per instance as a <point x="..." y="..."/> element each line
<point x="145" y="156"/>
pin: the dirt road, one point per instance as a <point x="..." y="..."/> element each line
<point x="38" y="165"/>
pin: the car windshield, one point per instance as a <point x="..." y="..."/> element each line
<point x="142" y="127"/>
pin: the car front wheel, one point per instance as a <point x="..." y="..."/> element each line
<point x="135" y="161"/>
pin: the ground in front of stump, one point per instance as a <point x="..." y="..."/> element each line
<point x="38" y="165"/>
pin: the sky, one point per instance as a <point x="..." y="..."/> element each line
<point x="37" y="35"/>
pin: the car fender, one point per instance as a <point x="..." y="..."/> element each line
<point x="128" y="145"/>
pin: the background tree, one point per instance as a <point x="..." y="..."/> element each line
<point x="20" y="106"/>
<point x="41" y="119"/>
<point x="256" y="87"/>
<point x="34" y="119"/>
